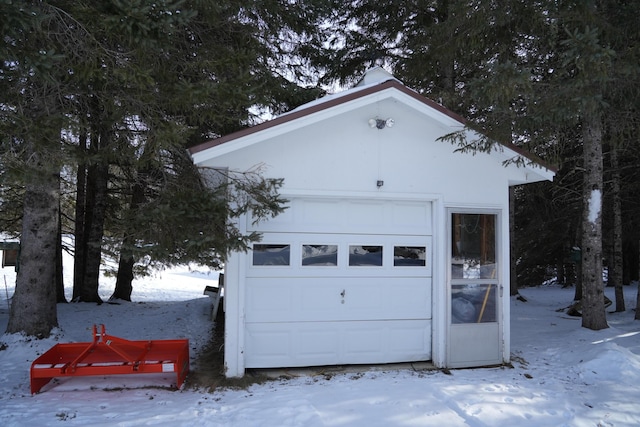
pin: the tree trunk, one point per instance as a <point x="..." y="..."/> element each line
<point x="593" y="310"/>
<point x="637" y="315"/>
<point x="513" y="277"/>
<point x="615" y="264"/>
<point x="79" y="257"/>
<point x="560" y="273"/>
<point x="124" y="280"/>
<point x="89" y="236"/>
<point x="579" y="281"/>
<point x="33" y="306"/>
<point x="97" y="180"/>
<point x="578" y="264"/>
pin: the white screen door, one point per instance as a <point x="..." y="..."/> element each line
<point x="474" y="330"/>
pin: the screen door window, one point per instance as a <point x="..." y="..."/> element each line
<point x="473" y="268"/>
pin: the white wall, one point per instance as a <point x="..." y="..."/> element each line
<point x="345" y="154"/>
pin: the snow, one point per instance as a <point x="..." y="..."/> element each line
<point x="562" y="374"/>
<point x="595" y="204"/>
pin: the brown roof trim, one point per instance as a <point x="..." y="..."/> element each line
<point x="293" y="115"/>
<point x="391" y="83"/>
<point x="528" y="155"/>
<point x="519" y="150"/>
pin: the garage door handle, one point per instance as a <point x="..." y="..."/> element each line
<point x="343" y="293"/>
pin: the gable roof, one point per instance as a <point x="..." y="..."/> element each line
<point x="375" y="81"/>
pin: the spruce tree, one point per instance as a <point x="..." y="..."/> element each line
<point x="32" y="119"/>
<point x="109" y="81"/>
<point x="531" y="73"/>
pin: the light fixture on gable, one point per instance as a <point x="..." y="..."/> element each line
<point x="381" y="123"/>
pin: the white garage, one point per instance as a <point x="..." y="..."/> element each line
<point x="393" y="248"/>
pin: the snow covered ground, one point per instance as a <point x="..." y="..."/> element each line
<point x="562" y="375"/>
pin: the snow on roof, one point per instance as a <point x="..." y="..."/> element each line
<point x="375" y="75"/>
<point x="372" y="77"/>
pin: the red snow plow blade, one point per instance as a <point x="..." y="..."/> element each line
<point x="109" y="355"/>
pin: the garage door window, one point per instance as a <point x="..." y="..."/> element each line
<point x="320" y="255"/>
<point x="409" y="256"/>
<point x="271" y="254"/>
<point x="365" y="255"/>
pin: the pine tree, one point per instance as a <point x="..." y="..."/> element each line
<point x="207" y="75"/>
<point x="110" y="80"/>
<point x="531" y="73"/>
<point x="33" y="116"/>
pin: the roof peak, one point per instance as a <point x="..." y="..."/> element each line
<point x="374" y="75"/>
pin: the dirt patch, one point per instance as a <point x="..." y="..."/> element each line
<point x="208" y="370"/>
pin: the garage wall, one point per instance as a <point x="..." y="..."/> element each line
<point x="342" y="153"/>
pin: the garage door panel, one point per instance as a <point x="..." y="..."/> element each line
<point x="350" y="216"/>
<point x="407" y="217"/>
<point x="409" y="296"/>
<point x="306" y="300"/>
<point x="329" y="343"/>
<point x="272" y="344"/>
<point x="315" y="341"/>
<point x="410" y="338"/>
<point x="297" y="344"/>
<point x="269" y="297"/>
<point x="318" y="299"/>
<point x="362" y="340"/>
<point x="391" y="341"/>
<point x="317" y="214"/>
<point x="365" y="216"/>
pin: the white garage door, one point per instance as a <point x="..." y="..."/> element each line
<point x="340" y="282"/>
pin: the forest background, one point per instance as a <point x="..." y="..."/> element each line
<point x="101" y="99"/>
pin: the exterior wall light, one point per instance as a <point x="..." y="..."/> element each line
<point x="380" y="123"/>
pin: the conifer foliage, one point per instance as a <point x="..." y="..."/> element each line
<point x="104" y="98"/>
<point x="559" y="78"/>
<point x="101" y="99"/>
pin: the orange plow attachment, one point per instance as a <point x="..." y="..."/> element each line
<point x="109" y="355"/>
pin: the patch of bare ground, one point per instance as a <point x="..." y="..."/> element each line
<point x="208" y="370"/>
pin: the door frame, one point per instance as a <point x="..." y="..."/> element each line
<point x="463" y="335"/>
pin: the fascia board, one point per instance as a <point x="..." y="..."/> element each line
<point x="448" y="121"/>
<point x="290" y="126"/>
<point x="533" y="171"/>
<point x="445" y="120"/>
<point x="501" y="152"/>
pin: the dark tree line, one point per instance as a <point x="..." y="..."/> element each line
<point x="100" y="100"/>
